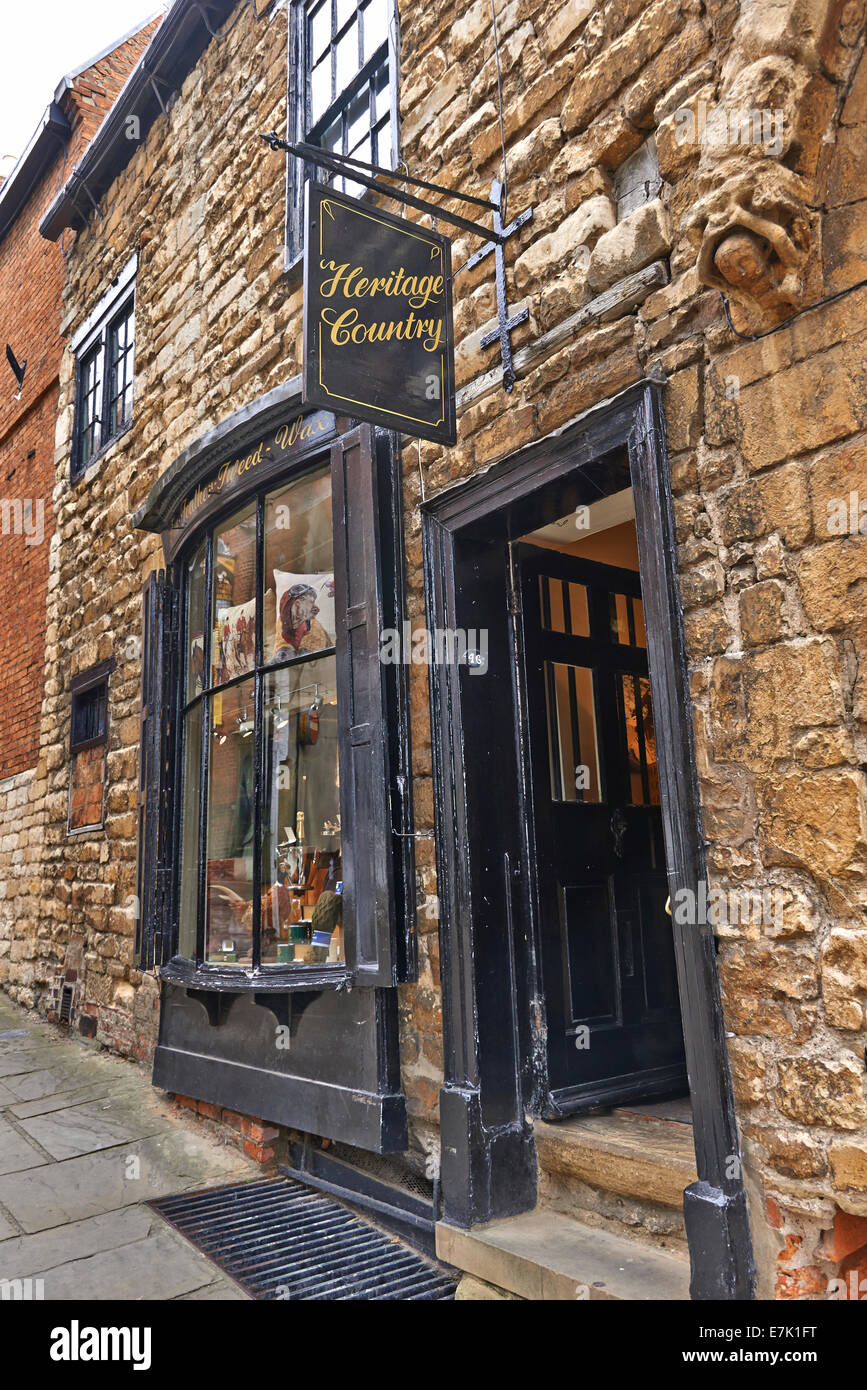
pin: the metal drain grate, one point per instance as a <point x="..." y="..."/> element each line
<point x="279" y="1239"/>
<point x="66" y="1003"/>
<point x="394" y="1171"/>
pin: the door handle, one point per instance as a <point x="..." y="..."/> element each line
<point x="618" y="830"/>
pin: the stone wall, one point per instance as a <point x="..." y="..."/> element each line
<point x="31" y="286"/>
<point x="765" y="439"/>
<point x="202" y="203"/>
<point x="31" y="282"/>
<point x="762" y="436"/>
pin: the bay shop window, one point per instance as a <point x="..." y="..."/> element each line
<point x="272" y="849"/>
<point x="260" y="736"/>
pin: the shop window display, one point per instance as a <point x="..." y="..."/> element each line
<point x="260" y="735"/>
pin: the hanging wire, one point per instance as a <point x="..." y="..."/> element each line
<point x="808" y="309"/>
<point x="500" y="103"/>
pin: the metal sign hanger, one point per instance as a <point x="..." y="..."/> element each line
<point x="494" y="240"/>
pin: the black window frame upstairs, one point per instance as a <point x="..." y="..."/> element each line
<point x="301" y="126"/>
<point x="118" y="310"/>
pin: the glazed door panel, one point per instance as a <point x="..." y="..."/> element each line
<point x="613" y="1017"/>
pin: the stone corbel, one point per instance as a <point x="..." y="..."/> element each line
<point x="755" y="224"/>
<point x="758" y="235"/>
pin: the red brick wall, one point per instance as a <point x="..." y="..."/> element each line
<point x="31" y="282"/>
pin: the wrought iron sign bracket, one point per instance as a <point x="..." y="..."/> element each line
<point x="494" y="241"/>
<point x="506" y="324"/>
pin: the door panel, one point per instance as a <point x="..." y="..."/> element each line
<point x="613" y="1017"/>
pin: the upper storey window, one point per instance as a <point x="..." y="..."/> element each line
<point x="104" y="348"/>
<point x="342" y="90"/>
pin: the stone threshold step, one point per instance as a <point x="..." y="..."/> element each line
<point x="540" y="1255"/>
<point x="653" y="1160"/>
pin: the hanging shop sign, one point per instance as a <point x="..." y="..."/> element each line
<point x="378" y="333"/>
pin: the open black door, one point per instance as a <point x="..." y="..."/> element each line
<point x="613" y="1015"/>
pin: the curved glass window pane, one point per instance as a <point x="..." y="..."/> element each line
<point x="190" y="833"/>
<point x="299" y="569"/>
<point x="302" y="916"/>
<point x="229" y="907"/>
<point x="195" y="625"/>
<point x="297" y="859"/>
<point x="234" y="611"/>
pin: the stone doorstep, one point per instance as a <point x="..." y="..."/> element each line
<point x="542" y="1256"/>
<point x="646" y="1159"/>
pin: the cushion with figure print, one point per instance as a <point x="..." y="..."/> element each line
<point x="234" y="640"/>
<point x="304" y="612"/>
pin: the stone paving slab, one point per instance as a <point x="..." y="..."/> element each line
<point x="16" y="1152"/>
<point x="48" y="1081"/>
<point x="84" y="1141"/>
<point x="25" y="1256"/>
<point x="16" y="1061"/>
<point x="80" y="1187"/>
<point x="83" y="1129"/>
<point x="59" y="1100"/>
<point x="161" y="1266"/>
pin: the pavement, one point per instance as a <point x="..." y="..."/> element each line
<point x="85" y="1141"/>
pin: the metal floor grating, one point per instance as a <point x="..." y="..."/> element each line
<point x="279" y="1239"/>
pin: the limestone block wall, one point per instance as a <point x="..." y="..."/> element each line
<point x="763" y="436"/>
<point x="202" y="204"/>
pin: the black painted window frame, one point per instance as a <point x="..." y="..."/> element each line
<point x="380" y="955"/>
<point x="93" y="405"/>
<point x="94" y="682"/>
<point x="300" y="123"/>
<point x="209" y="689"/>
<point x="120" y="367"/>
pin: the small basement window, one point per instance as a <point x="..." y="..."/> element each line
<point x="88" y="742"/>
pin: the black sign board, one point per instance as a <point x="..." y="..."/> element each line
<point x="378" y="334"/>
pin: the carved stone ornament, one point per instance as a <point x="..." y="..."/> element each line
<point x="757" y="236"/>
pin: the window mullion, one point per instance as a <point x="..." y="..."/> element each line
<point x="105" y="392"/>
<point x="333" y="52"/>
<point x="202" y="893"/>
<point x="258" y="735"/>
<point x="258" y="762"/>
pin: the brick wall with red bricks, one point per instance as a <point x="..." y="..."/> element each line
<point x="31" y="281"/>
<point x="255" y="1137"/>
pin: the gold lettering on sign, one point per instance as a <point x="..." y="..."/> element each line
<point x="229" y="473"/>
<point x="299" y="431"/>
<point x="346" y="327"/>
